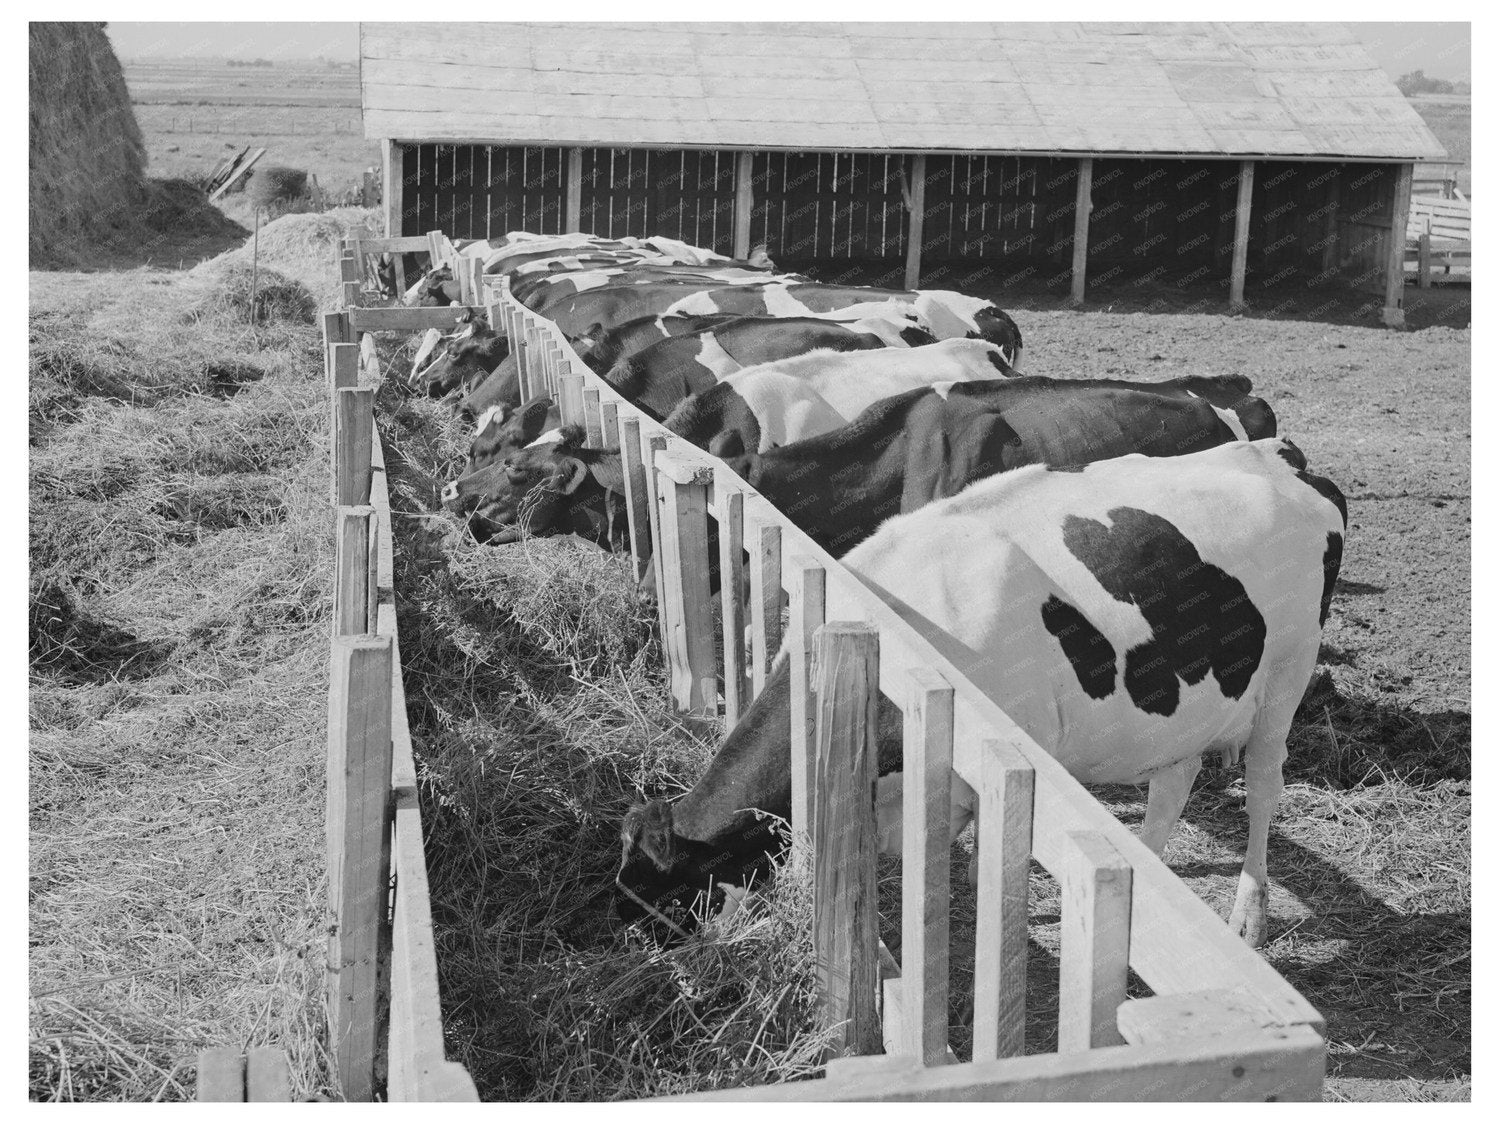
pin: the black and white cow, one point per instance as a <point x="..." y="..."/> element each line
<point x="774" y="404"/>
<point x="1129" y="615"/>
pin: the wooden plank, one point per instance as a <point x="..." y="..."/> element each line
<point x="682" y="488"/>
<point x="609" y="423"/>
<point x="1004" y="847"/>
<point x="1083" y="203"/>
<point x="808" y="592"/>
<point x="845" y="922"/>
<point x="652" y="444"/>
<point x="351" y="581"/>
<point x="637" y="493"/>
<point x="731" y="512"/>
<point x="1095" y="952"/>
<point x="1424" y="260"/>
<point x="591" y="421"/>
<point x="345" y="366"/>
<point x="1392" y="315"/>
<point x="1241" y="235"/>
<point x="238" y="174"/>
<point x="573" y="199"/>
<point x="927" y="781"/>
<point x="765" y="598"/>
<point x="409" y="319"/>
<point x="221" y="1075"/>
<point x="1254" y="1069"/>
<point x="268" y="1077"/>
<point x="337" y="328"/>
<point x="395" y="244"/>
<point x="1197" y="1016"/>
<point x="744" y="203"/>
<point x="359" y="747"/>
<point x="352" y="446"/>
<point x="915" y="220"/>
<point x="570" y="400"/>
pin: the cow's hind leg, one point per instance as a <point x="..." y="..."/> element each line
<point x="1264" y="756"/>
<point x="1166" y="796"/>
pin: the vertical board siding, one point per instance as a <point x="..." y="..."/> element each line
<point x="675" y="193"/>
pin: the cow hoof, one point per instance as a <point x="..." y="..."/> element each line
<point x="1248" y="917"/>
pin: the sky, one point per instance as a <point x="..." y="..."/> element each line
<point x="1442" y="50"/>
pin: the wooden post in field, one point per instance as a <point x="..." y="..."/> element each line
<point x="731" y="504"/>
<point x="809" y="607"/>
<point x="682" y="484"/>
<point x="927" y="783"/>
<point x="1237" y="267"/>
<point x="918" y="204"/>
<point x="352" y="438"/>
<point x="359" y="810"/>
<point x="1004" y="854"/>
<point x="744" y="203"/>
<point x="846" y="938"/>
<point x="352" y="571"/>
<point x="1392" y="314"/>
<point x="637" y="495"/>
<point x="763" y="537"/>
<point x="1095" y="955"/>
<point x="1083" y="203"/>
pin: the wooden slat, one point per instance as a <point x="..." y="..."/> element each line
<point x="593" y="425"/>
<point x="570" y="399"/>
<point x="359" y="751"/>
<point x="927" y="777"/>
<point x="409" y="319"/>
<point x="651" y="445"/>
<point x="845" y="923"/>
<point x="682" y="487"/>
<point x="808" y="590"/>
<point x="730" y="504"/>
<point x="1095" y="944"/>
<point x="221" y="1075"/>
<point x="1196" y="1017"/>
<point x="764" y="538"/>
<point x="1004" y="854"/>
<point x="637" y="499"/>
<point x="268" y="1077"/>
<point x="352" y="435"/>
<point x="396" y="244"/>
<point x="351" y="585"/>
<point x="345" y="366"/>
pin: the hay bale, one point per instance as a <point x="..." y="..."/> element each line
<point x="88" y="161"/>
<point x="277" y="186"/>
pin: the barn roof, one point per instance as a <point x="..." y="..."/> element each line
<point x="1205" y="89"/>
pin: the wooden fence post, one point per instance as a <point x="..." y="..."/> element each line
<point x="352" y="572"/>
<point x="344" y="368"/>
<point x="637" y="495"/>
<point x="1004" y="857"/>
<point x="764" y="541"/>
<point x="435" y="247"/>
<point x="1424" y="260"/>
<point x="682" y="488"/>
<point x="609" y="423"/>
<point x="652" y="444"/>
<point x="359" y="809"/>
<point x="1095" y="954"/>
<point x="352" y="438"/>
<point x="927" y="783"/>
<point x="349" y="274"/>
<point x="809" y="606"/>
<point x="846" y="940"/>
<point x="731" y="504"/>
<point x="591" y="422"/>
<point x="570" y="400"/>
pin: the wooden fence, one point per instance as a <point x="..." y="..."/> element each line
<point x="1220" y="1022"/>
<point x="1439" y="235"/>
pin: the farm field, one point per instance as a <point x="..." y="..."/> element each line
<point x="539" y="721"/>
<point x="304" y="113"/>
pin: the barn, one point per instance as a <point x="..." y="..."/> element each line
<point x="1223" y="159"/>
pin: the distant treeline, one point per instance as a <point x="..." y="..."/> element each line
<point x="1418" y="83"/>
<point x="251" y="62"/>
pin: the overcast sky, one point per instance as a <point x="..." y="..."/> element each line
<point x="1439" y="49"/>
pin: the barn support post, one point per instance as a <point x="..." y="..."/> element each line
<point x="1241" y="236"/>
<point x="1083" y="203"/>
<point x="1393" y="314"/>
<point x="846" y="939"/>
<point x="1095" y="954"/>
<point x="573" y="200"/>
<point x="393" y="198"/>
<point x="682" y="490"/>
<point x="744" y="202"/>
<point x="918" y="204"/>
<point x="928" y="780"/>
<point x="1006" y="803"/>
<point x="358" y="833"/>
<point x="1331" y="227"/>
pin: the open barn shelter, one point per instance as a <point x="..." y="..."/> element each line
<point x="1223" y="157"/>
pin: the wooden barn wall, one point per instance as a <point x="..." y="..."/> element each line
<point x="1366" y="196"/>
<point x="1161" y="218"/>
<point x="678" y="193"/>
<point x="1289" y="220"/>
<point x="483" y="191"/>
<point x="812" y="206"/>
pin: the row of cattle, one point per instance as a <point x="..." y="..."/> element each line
<point x="1136" y="572"/>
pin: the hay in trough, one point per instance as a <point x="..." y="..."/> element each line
<point x="88" y="161"/>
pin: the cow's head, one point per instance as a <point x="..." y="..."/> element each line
<point x="552" y="488"/>
<point x="437" y="289"/>
<point x="503" y="431"/>
<point x="465" y="359"/>
<point x="993" y="324"/>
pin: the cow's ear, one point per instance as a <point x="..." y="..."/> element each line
<point x="572" y="472"/>
<point x="648" y="828"/>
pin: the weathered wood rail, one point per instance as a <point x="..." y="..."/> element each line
<point x="1220" y="1024"/>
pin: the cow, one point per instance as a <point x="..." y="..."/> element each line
<point x="929" y="443"/>
<point x="773" y="404"/>
<point x="502" y="431"/>
<point x="1129" y="616"/>
<point x="437" y="288"/>
<point x="658" y="377"/>
<point x="943" y="312"/>
<point x="464" y="360"/>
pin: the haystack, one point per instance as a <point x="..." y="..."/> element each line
<point x="88" y="160"/>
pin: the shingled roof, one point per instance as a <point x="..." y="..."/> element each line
<point x="1197" y="89"/>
